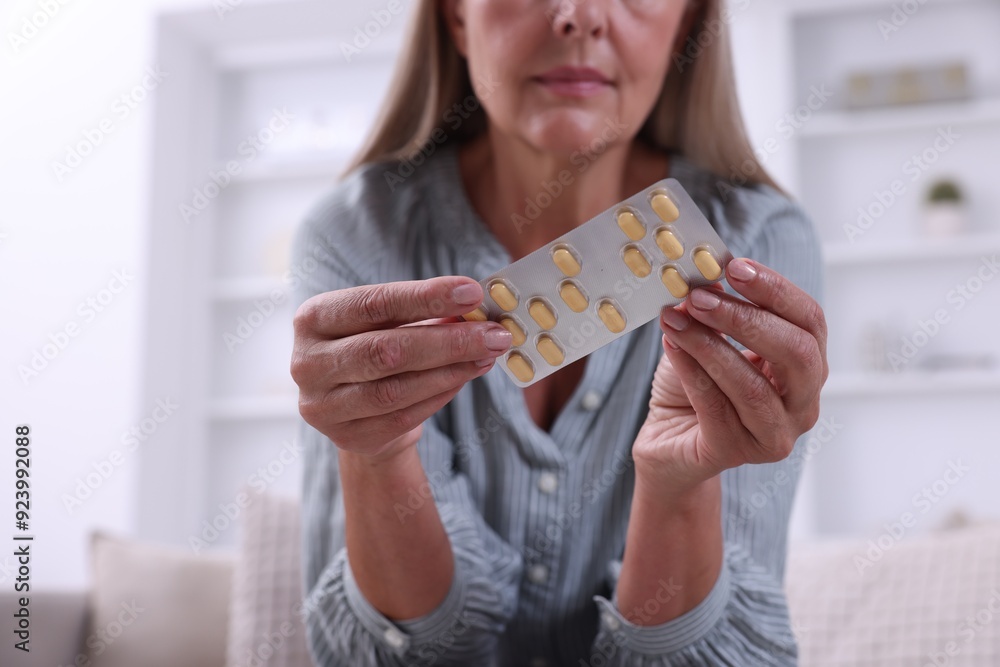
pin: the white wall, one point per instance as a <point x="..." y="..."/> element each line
<point x="62" y="243"/>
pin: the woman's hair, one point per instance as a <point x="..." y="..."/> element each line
<point x="697" y="114"/>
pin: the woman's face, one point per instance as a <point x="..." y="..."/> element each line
<point x="558" y="74"/>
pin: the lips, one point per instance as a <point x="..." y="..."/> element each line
<point x="574" y="81"/>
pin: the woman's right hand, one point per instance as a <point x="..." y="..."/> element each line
<point x="374" y="362"/>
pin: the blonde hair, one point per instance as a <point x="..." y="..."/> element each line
<point x="697" y="114"/>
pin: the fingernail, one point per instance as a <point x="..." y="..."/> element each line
<point x="740" y="269"/>
<point x="675" y="319"/>
<point x="485" y="362"/>
<point x="669" y="343"/>
<point x="498" y="339"/>
<point x="467" y="294"/>
<point x="704" y="299"/>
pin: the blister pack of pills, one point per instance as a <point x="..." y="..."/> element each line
<point x="600" y="281"/>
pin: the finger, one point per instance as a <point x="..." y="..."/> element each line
<point x="794" y="355"/>
<point x="355" y="310"/>
<point x="434" y="320"/>
<point x="385" y="428"/>
<point x="754" y="398"/>
<point x="770" y="290"/>
<point x="378" y="354"/>
<point x="717" y="417"/>
<point x="385" y="395"/>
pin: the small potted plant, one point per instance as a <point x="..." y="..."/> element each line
<point x="944" y="212"/>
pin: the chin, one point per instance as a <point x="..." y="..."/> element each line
<point x="569" y="131"/>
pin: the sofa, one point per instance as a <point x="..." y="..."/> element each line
<point x="890" y="601"/>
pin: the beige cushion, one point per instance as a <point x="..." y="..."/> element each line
<point x="156" y="606"/>
<point x="266" y="625"/>
<point x="929" y="600"/>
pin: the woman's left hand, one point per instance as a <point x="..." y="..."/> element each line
<point x="714" y="407"/>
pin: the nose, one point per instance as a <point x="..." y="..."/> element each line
<point x="580" y="18"/>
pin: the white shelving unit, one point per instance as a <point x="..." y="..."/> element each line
<point x="966" y="247"/>
<point x="899" y="429"/>
<point x="879" y="121"/>
<point x="916" y="383"/>
<point x="219" y="332"/>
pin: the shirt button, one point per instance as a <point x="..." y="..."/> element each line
<point x="538" y="574"/>
<point x="611" y="622"/>
<point x="394" y="638"/>
<point x="547" y="482"/>
<point x="591" y="400"/>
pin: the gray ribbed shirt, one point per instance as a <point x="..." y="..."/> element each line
<point x="537" y="519"/>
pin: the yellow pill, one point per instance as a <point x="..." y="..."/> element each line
<point x="550" y="351"/>
<point x="631" y="225"/>
<point x="612" y="319"/>
<point x="478" y="315"/>
<point x="566" y="262"/>
<point x="573" y="297"/>
<point x="674" y="282"/>
<point x="669" y="244"/>
<point x="520" y="367"/>
<point x="515" y="330"/>
<point x="542" y="314"/>
<point x="664" y="208"/>
<point x="503" y="296"/>
<point x="636" y="262"/>
<point x="707" y="265"/>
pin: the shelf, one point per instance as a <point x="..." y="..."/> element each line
<point x="912" y="250"/>
<point x="246" y="289"/>
<point x="892" y="385"/>
<point x="254" y="409"/>
<point x="832" y="124"/>
<point x="812" y="8"/>
<point x="323" y="51"/>
<point x="321" y="164"/>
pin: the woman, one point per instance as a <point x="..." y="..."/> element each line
<point x="600" y="516"/>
